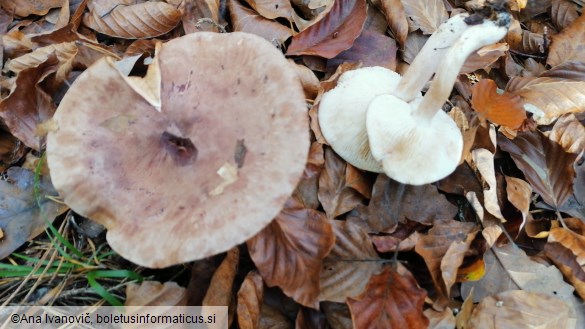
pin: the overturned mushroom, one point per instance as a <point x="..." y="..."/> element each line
<point x="347" y="113"/>
<point x="207" y="172"/>
<point x="342" y="110"/>
<point x="419" y="143"/>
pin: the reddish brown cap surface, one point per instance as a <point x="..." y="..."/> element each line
<point x="207" y="172"/>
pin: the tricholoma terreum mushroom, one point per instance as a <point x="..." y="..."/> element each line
<point x="193" y="168"/>
<point x="377" y="121"/>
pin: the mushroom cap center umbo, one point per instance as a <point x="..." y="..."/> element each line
<point x="207" y="172"/>
<point x="410" y="150"/>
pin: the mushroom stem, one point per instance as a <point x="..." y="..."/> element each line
<point x="425" y="63"/>
<point x="477" y="36"/>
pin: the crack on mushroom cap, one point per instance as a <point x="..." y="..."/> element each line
<point x="159" y="212"/>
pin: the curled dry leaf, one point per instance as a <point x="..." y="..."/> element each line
<point x="566" y="261"/>
<point x="371" y="48"/>
<point x="250" y="298"/>
<point x="350" y="263"/>
<point x="426" y="15"/>
<point x="396" y="18"/>
<point x="289" y="252"/>
<point x="545" y="164"/>
<point x="28" y="104"/>
<point x="247" y="20"/>
<point x="63" y="51"/>
<point x="20" y="217"/>
<point x="336" y="194"/>
<point x="393" y="202"/>
<point x="563" y="13"/>
<point x="521" y="309"/>
<point x="219" y="292"/>
<point x="200" y="16"/>
<point x="567" y="45"/>
<point x="152" y="293"/>
<point x="138" y="21"/>
<point x="520" y="195"/>
<point x="334" y="33"/>
<point x="392" y="300"/>
<point x="553" y="96"/>
<point x="524" y="41"/>
<point x="272" y="9"/>
<point x="505" y="109"/>
<point x="484" y="160"/>
<point x="569" y="133"/>
<point x="310" y="82"/>
<point x="484" y="57"/>
<point x="24" y="8"/>
<point x="443" y="250"/>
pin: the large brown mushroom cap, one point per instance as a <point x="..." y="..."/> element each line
<point x="207" y="172"/>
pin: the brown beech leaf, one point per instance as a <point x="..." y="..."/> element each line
<point x="337" y="315"/>
<point x="396" y="18"/>
<point x="521" y="309"/>
<point x="138" y="21"/>
<point x="334" y="33"/>
<point x="553" y="95"/>
<point x="569" y="133"/>
<point x="219" y="292"/>
<point x="443" y="250"/>
<point x="335" y="194"/>
<point x="63" y="51"/>
<point x="508" y="268"/>
<point x="393" y="202"/>
<point x="272" y="9"/>
<point x="200" y="16"/>
<point x="520" y="195"/>
<point x="563" y="13"/>
<point x="152" y="293"/>
<point x="545" y="164"/>
<point x="426" y="15"/>
<point x="502" y="109"/>
<point x="247" y="20"/>
<point x="23" y="8"/>
<point x="484" y="57"/>
<point x="569" y="45"/>
<point x="28" y="104"/>
<point x="392" y="300"/>
<point x="20" y="217"/>
<point x="307" y="189"/>
<point x="11" y="150"/>
<point x="350" y="263"/>
<point x="371" y="48"/>
<point x="440" y="319"/>
<point x="288" y="253"/>
<point x="250" y="298"/>
<point x="565" y="260"/>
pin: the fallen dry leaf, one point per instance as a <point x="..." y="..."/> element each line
<point x="11" y="150"/>
<point x="28" y="104"/>
<point x="335" y="194"/>
<point x="396" y="18"/>
<point x="371" y="49"/>
<point x="136" y="21"/>
<point x="440" y="319"/>
<point x="21" y="219"/>
<point x="247" y="20"/>
<point x="337" y="314"/>
<point x="25" y="8"/>
<point x="545" y="164"/>
<point x="563" y="13"/>
<point x="569" y="133"/>
<point x="443" y="250"/>
<point x="288" y="253"/>
<point x="521" y="309"/>
<point x="153" y="293"/>
<point x="250" y="298"/>
<point x="350" y="263"/>
<point x="272" y="9"/>
<point x="391" y="300"/>
<point x="393" y="203"/>
<point x="425" y="15"/>
<point x="569" y="44"/>
<point x="520" y="195"/>
<point x="334" y="33"/>
<point x="484" y="160"/>
<point x="200" y="16"/>
<point x="508" y="268"/>
<point x="219" y="292"/>
<point x="565" y="260"/>
<point x="502" y="109"/>
<point x="484" y="57"/>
